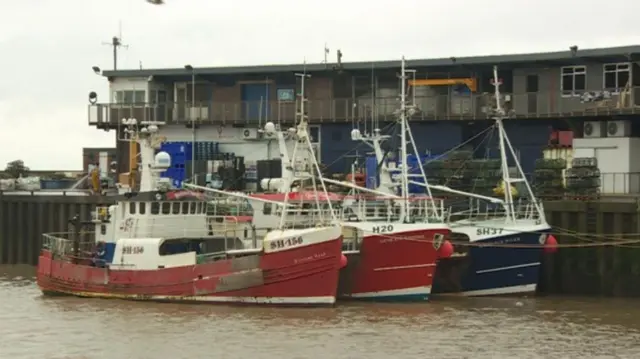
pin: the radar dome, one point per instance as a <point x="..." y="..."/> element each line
<point x="355" y="134"/>
<point x="153" y="128"/>
<point x="162" y="160"/>
<point x="269" y="127"/>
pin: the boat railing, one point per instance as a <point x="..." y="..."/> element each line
<point x="368" y="208"/>
<point x="481" y="210"/>
<point x="298" y="217"/>
<point x="69" y="245"/>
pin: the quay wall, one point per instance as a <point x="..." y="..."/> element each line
<point x="594" y="270"/>
<point x="23" y="219"/>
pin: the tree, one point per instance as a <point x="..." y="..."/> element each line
<point x="16" y="169"/>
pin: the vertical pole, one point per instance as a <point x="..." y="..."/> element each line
<point x="193" y="127"/>
<point x="115" y="44"/>
<point x="404" y="214"/>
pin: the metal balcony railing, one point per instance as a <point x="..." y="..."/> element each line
<point x="442" y="107"/>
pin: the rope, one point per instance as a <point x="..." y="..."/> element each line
<point x="513" y="245"/>
<point x="614" y="240"/>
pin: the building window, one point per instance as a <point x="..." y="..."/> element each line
<point x="616" y="76"/>
<point x="129" y="97"/>
<point x="573" y="80"/>
<point x="314" y="134"/>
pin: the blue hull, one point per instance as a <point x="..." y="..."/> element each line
<point x="492" y="270"/>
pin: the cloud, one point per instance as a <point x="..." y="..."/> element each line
<point x="47" y="47"/>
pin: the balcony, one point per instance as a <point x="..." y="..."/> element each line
<point x="444" y="107"/>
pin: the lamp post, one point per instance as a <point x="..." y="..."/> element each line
<point x="193" y="122"/>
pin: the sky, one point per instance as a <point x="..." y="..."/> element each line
<point x="47" y="47"/>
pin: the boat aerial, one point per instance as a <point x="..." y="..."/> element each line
<point x="159" y="244"/>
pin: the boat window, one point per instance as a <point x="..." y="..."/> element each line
<point x="192" y="208"/>
<point x="170" y="247"/>
<point x="132" y="207"/>
<point x="266" y="209"/>
<point x="166" y="207"/>
<point x="155" y="208"/>
<point x="199" y="208"/>
<point x="103" y="229"/>
<point x="142" y="207"/>
<point x="185" y="207"/>
<point x="176" y="207"/>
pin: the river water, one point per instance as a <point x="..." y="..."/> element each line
<point x="32" y="326"/>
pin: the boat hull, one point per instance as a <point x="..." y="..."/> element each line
<point x="306" y="275"/>
<point x="493" y="271"/>
<point x="391" y="268"/>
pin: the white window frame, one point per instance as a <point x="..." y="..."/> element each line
<point x="618" y="68"/>
<point x="577" y="70"/>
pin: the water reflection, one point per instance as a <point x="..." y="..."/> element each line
<point x="37" y="326"/>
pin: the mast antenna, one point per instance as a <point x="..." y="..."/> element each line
<point x="116" y="43"/>
<point x="326" y="54"/>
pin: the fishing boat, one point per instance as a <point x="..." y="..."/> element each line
<point x="505" y="239"/>
<point x="159" y="244"/>
<point x="395" y="241"/>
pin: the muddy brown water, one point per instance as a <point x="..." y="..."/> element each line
<point x="33" y="326"/>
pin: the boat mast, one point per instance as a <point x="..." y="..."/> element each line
<point x="404" y="213"/>
<point x="504" y="144"/>
<point x="302" y="135"/>
<point x="508" y="196"/>
<point x="411" y="110"/>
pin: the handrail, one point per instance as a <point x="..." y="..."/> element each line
<point x="329" y="109"/>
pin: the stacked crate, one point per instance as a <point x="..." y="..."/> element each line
<point x="548" y="178"/>
<point x="583" y="178"/>
<point x="484" y="175"/>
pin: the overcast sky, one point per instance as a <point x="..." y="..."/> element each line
<point x="47" y="47"/>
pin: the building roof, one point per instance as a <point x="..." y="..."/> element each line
<point x="565" y="55"/>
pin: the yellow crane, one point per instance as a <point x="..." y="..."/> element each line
<point x="470" y="82"/>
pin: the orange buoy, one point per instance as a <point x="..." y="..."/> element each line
<point x="551" y="244"/>
<point x="343" y="261"/>
<point x="445" y="250"/>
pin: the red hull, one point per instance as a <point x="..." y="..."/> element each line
<point x="305" y="275"/>
<point x="391" y="268"/>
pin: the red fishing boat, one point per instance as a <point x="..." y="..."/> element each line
<point x="159" y="244"/>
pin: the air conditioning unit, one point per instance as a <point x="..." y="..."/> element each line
<point x="594" y="129"/>
<point x="620" y="128"/>
<point x="251" y="134"/>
